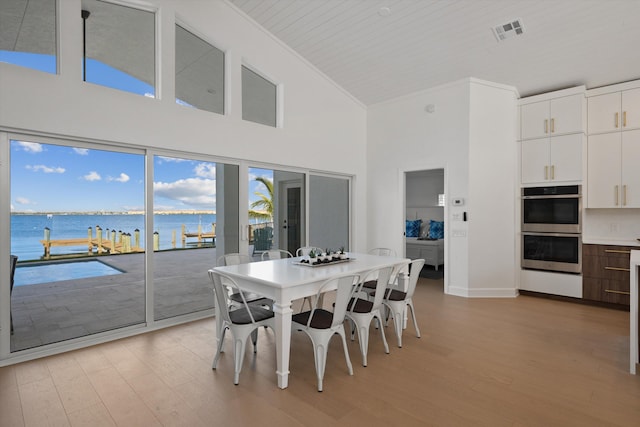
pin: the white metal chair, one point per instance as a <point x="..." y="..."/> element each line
<point x="382" y="252"/>
<point x="362" y="311"/>
<point x="397" y="301"/>
<point x="304" y="251"/>
<point x="371" y="284"/>
<point x="242" y="322"/>
<point x="276" y="254"/>
<point x="321" y="325"/>
<point x="250" y="297"/>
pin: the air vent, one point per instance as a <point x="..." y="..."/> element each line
<point x="508" y="30"/>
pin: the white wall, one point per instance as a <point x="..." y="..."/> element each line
<point x="404" y="137"/>
<point x="319" y="120"/>
<point x="472" y="135"/>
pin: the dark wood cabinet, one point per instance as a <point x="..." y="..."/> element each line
<point x="605" y="273"/>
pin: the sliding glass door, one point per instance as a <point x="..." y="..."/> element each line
<point x="185" y="231"/>
<point x="77" y="230"/>
<point x="329" y="216"/>
<point x="276" y="210"/>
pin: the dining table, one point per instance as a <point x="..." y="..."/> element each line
<point x="289" y="279"/>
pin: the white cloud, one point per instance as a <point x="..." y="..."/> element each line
<point x="190" y="192"/>
<point x="205" y="170"/>
<point x="122" y="178"/>
<point x="81" y="151"/>
<point x="31" y="147"/>
<point x="45" y="169"/>
<point x="12" y="207"/>
<point x="92" y="176"/>
<point x="24" y="201"/>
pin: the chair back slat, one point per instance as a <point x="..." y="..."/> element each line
<point x="276" y="254"/>
<point x="381" y="276"/>
<point x="233" y="259"/>
<point x="415" y="268"/>
<point x="382" y="252"/>
<point x="344" y="291"/>
<point x="223" y="287"/>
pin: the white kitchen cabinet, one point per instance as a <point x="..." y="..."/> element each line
<point x="552" y="160"/>
<point x="613" y="175"/>
<point x="557" y="116"/>
<point x="612" y="112"/>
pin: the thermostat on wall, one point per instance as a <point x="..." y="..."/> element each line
<point x="457" y="202"/>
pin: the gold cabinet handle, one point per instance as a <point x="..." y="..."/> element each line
<point x="624" y="195"/>
<point x="624" y="119"/>
<point x="553" y="125"/>
<point x="615" y="193"/>
<point x="553" y="171"/>
<point x="617" y="251"/>
<point x="616" y="120"/>
<point x="546" y="172"/>
<point x="611" y="291"/>
<point x="546" y="126"/>
<point x="617" y="269"/>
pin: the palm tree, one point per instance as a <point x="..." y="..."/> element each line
<point x="262" y="209"/>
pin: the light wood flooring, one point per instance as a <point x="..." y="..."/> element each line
<point x="480" y="362"/>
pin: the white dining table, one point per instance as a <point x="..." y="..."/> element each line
<point x="284" y="280"/>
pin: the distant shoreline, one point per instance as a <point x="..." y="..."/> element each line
<point x="190" y="212"/>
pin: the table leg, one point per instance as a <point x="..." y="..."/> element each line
<point x="283" y="314"/>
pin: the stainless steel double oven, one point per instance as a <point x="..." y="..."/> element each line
<point x="552" y="228"/>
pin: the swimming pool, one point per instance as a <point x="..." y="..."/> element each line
<point x="55" y="272"/>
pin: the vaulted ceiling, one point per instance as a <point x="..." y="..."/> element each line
<point x="381" y="49"/>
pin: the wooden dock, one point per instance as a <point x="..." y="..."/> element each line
<point x="113" y="243"/>
<point x="200" y="235"/>
<point x="117" y="242"/>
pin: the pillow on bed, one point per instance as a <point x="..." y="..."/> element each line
<point x="436" y="229"/>
<point x="413" y="228"/>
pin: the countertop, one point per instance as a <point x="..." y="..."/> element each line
<point x="605" y="241"/>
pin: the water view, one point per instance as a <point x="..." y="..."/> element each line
<point x="28" y="230"/>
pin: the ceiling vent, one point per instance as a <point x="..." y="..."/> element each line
<point x="508" y="30"/>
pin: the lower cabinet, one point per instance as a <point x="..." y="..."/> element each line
<point x="605" y="273"/>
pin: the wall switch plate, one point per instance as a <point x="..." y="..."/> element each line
<point x="459" y="233"/>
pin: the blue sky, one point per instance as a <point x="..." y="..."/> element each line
<point x="55" y="178"/>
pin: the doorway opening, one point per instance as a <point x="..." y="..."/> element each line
<point x="425" y="200"/>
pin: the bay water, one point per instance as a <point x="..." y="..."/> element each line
<point x="28" y="230"/>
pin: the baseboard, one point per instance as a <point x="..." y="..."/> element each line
<point x="483" y="292"/>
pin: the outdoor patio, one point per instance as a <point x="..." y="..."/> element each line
<point x="51" y="312"/>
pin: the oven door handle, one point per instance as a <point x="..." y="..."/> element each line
<point x="554" y="196"/>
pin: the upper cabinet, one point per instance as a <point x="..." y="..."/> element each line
<point x="557" y="116"/>
<point x="552" y="127"/>
<point x="616" y="111"/>
<point x="552" y="160"/>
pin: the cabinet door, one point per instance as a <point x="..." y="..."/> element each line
<point x="603" y="170"/>
<point x="534" y="120"/>
<point x="565" y="115"/>
<point x="631" y="169"/>
<point x="535" y="160"/>
<point x="565" y="158"/>
<point x="631" y="109"/>
<point x="603" y="113"/>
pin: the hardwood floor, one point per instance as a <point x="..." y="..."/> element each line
<point x="490" y="362"/>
